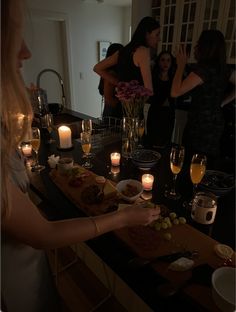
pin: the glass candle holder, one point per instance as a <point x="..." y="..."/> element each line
<point x="115" y="159"/>
<point x="115" y="170"/>
<point x="26" y="149"/>
<point x="147" y="181"/>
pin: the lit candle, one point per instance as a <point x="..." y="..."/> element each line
<point x="115" y="159"/>
<point x="26" y="149"/>
<point x="147" y="181"/>
<point x="64" y="137"/>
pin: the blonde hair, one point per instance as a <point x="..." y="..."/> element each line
<point x="14" y="98"/>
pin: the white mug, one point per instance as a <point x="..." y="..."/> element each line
<point x="204" y="208"/>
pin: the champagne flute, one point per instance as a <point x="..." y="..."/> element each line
<point x="87" y="125"/>
<point x="48" y="118"/>
<point x="176" y="163"/>
<point x="86" y="147"/>
<point x="35" y="142"/>
<point x="197" y="170"/>
<point x="141" y="128"/>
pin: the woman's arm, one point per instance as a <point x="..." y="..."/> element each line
<point x="231" y="96"/>
<point x="26" y="224"/>
<point x="102" y="68"/>
<point x="179" y="86"/>
<point x="143" y="61"/>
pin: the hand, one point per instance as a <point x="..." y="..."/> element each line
<point x="181" y="56"/>
<point x="140" y="214"/>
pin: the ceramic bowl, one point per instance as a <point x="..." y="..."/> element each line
<point x="217" y="182"/>
<point x="223" y="288"/>
<point x="129" y="190"/>
<point x="145" y="159"/>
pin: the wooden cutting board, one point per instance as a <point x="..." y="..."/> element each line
<point x="77" y="193"/>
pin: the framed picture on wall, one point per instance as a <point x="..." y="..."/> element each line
<point x="102" y="49"/>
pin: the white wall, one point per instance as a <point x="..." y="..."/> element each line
<point x="87" y="24"/>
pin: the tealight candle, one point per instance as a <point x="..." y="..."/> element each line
<point x="115" y="159"/>
<point x="26" y="149"/>
<point x="147" y="181"/>
<point x="64" y="137"/>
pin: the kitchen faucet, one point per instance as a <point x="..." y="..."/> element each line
<point x="60" y="80"/>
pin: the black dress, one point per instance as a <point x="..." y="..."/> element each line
<point x="205" y="122"/>
<point x="160" y="119"/>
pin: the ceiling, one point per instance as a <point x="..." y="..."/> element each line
<point x="112" y="2"/>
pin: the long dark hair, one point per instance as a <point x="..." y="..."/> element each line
<point x="146" y="25"/>
<point x="211" y="49"/>
<point x="114" y="47"/>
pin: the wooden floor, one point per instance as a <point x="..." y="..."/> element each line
<point x="79" y="288"/>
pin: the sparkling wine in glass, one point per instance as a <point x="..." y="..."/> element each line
<point x="141" y="128"/>
<point x="176" y="163"/>
<point x="86" y="147"/>
<point x="197" y="169"/>
<point x="48" y="119"/>
<point x="35" y="142"/>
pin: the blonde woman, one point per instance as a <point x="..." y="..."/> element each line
<point x="26" y="283"/>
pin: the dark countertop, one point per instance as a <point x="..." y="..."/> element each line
<point x="108" y="247"/>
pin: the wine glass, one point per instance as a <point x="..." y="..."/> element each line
<point x="197" y="169"/>
<point x="176" y="163"/>
<point x="35" y="142"/>
<point x="87" y="125"/>
<point x="86" y="147"/>
<point x="141" y="128"/>
<point x="48" y="120"/>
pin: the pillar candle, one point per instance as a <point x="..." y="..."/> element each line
<point x="115" y="159"/>
<point x="64" y="137"/>
<point x="147" y="181"/>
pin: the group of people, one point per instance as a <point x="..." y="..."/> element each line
<point x="206" y="82"/>
<point x="26" y="280"/>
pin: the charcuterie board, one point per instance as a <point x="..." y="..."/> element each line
<point x="83" y="190"/>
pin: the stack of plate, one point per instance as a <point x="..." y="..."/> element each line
<point x="217" y="182"/>
<point x="145" y="159"/>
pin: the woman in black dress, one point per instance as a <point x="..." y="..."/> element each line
<point x="208" y="81"/>
<point x="160" y="119"/>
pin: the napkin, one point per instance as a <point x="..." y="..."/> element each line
<point x="53" y="160"/>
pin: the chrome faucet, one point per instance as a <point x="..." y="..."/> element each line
<point x="60" y="80"/>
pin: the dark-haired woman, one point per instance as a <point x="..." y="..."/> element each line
<point x="112" y="106"/>
<point x="134" y="60"/>
<point x="208" y="81"/>
<point x="160" y="119"/>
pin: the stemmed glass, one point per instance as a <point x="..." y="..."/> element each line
<point x="176" y="163"/>
<point x="87" y="125"/>
<point x="35" y="142"/>
<point x="141" y="128"/>
<point x="86" y="147"/>
<point x="48" y="119"/>
<point x="197" y="170"/>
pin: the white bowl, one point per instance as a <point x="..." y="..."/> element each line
<point x="223" y="288"/>
<point x="134" y="186"/>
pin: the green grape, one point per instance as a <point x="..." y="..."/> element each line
<point x="182" y="220"/>
<point x="176" y="221"/>
<point x="167" y="219"/>
<point x="173" y="215"/>
<point x="164" y="225"/>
